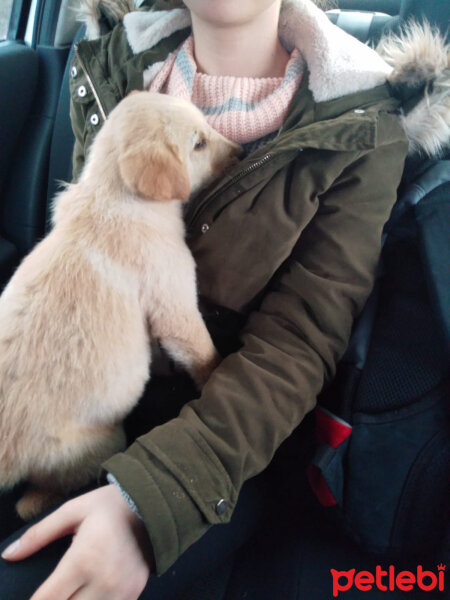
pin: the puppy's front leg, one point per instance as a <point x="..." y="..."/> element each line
<point x="175" y="319"/>
<point x="187" y="341"/>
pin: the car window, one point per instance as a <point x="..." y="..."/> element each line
<point x="5" y="14"/>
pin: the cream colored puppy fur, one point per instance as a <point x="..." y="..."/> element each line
<point x="77" y="317"/>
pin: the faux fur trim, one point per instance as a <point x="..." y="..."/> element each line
<point x="338" y="63"/>
<point x="89" y="13"/>
<point x="145" y="30"/>
<point x="421" y="58"/>
<point x="151" y="72"/>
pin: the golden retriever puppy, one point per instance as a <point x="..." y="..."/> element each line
<point x="77" y="316"/>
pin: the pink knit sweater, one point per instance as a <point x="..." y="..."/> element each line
<point x="243" y="109"/>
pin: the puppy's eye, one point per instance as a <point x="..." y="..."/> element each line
<point x="200" y="145"/>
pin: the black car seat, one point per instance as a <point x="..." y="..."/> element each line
<point x="366" y="26"/>
<point x="23" y="206"/>
<point x="437" y="12"/>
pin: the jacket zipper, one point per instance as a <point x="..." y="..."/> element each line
<point x="233" y="180"/>
<point x="253" y="167"/>
<point x="91" y="85"/>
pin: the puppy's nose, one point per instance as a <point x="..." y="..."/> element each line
<point x="236" y="152"/>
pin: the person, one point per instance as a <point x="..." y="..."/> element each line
<point x="286" y="245"/>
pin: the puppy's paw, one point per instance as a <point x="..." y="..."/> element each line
<point x="34" y="502"/>
<point x="203" y="370"/>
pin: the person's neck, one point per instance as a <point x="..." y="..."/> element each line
<point x="247" y="50"/>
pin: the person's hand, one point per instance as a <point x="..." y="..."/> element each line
<point x="110" y="557"/>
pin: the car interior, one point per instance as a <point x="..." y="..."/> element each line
<point x="35" y="157"/>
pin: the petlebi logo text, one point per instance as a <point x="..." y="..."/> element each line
<point x="388" y="580"/>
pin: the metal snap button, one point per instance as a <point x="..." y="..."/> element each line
<point x="82" y="91"/>
<point x="221" y="507"/>
<point x="74" y="71"/>
<point x="205" y="227"/>
<point x="94" y="119"/>
<point x="360" y="111"/>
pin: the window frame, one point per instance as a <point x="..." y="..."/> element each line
<point x="18" y="20"/>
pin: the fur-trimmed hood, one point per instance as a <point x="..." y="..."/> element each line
<point x="416" y="63"/>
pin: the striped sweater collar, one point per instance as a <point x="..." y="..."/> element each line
<point x="243" y="109"/>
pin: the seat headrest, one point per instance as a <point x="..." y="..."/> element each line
<point x="366" y="26"/>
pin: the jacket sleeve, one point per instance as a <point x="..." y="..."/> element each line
<point x="186" y="474"/>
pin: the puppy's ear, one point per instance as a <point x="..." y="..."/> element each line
<point x="156" y="174"/>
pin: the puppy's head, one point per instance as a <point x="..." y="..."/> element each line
<point x="165" y="148"/>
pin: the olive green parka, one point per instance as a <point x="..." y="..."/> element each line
<point x="287" y="242"/>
